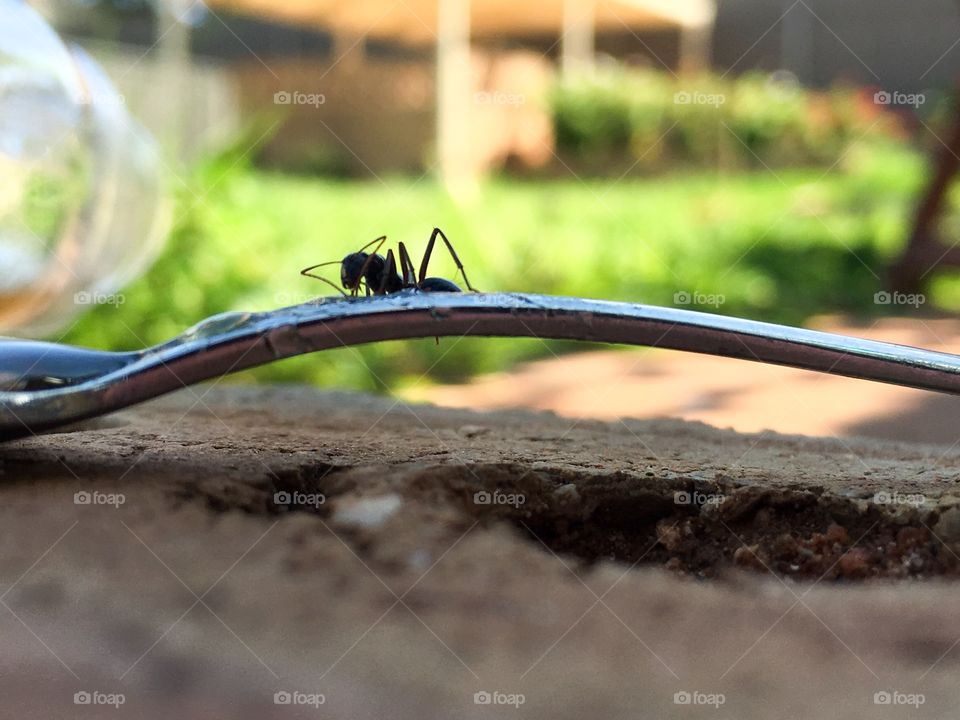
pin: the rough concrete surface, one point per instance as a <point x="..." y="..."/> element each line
<point x="228" y="544"/>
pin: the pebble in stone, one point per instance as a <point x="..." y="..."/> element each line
<point x="368" y="512"/>
<point x="472" y="431"/>
<point x="853" y="563"/>
<point x="948" y="526"/>
<point x="567" y="494"/>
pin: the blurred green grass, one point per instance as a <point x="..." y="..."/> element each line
<point x="780" y="246"/>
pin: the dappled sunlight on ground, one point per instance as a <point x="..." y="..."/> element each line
<point x="749" y="397"/>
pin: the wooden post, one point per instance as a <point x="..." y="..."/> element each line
<point x="454" y="85"/>
<point x="797" y="33"/>
<point x="577" y="43"/>
<point x="695" y="47"/>
<point x="172" y="61"/>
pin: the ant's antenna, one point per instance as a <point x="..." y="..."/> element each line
<point x="306" y="272"/>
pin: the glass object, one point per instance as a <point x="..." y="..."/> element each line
<point x="83" y="207"/>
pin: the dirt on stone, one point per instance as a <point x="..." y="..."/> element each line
<point x="216" y="552"/>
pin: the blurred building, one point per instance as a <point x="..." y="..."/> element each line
<point x="363" y="88"/>
<point x="906" y="46"/>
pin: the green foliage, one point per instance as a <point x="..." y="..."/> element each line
<point x="50" y="194"/>
<point x="777" y="248"/>
<point x="646" y="122"/>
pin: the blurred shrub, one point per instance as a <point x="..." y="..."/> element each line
<point x="620" y="119"/>
<point x="597" y="119"/>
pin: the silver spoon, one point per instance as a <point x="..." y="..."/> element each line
<point x="46" y="385"/>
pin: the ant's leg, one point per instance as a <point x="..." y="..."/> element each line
<point x="366" y="263"/>
<point x="453" y="253"/>
<point x="389" y="270"/>
<point x="404" y="255"/>
<point x="406" y="268"/>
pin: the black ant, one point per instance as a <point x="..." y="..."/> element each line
<point x="379" y="275"/>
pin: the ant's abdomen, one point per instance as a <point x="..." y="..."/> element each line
<point x="434" y="284"/>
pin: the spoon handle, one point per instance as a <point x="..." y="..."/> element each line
<point x="43" y="386"/>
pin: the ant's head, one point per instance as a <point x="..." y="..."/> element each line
<point x="352" y="266"/>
